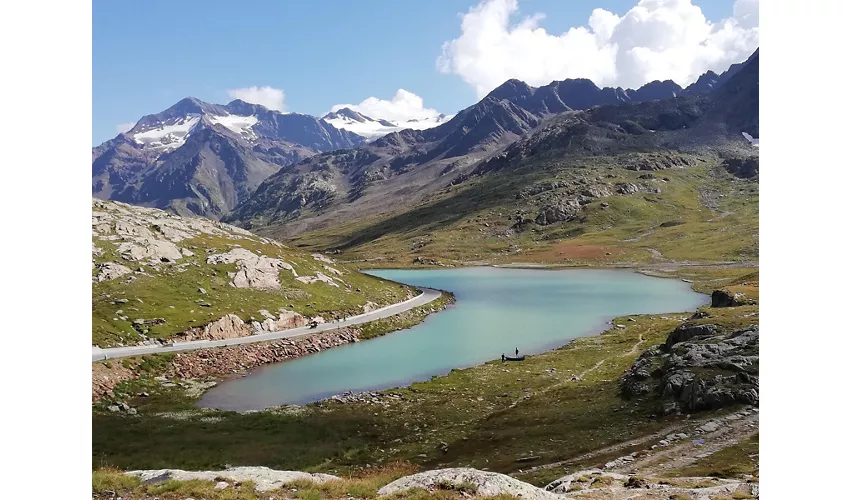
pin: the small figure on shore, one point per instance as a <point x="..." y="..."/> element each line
<point x="503" y="357"/>
<point x="517" y="351"/>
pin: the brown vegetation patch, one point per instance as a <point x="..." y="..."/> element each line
<point x="105" y="376"/>
<point x="567" y="250"/>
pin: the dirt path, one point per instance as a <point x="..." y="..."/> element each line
<point x="574" y="378"/>
<point x="678" y="452"/>
<point x="683" y="452"/>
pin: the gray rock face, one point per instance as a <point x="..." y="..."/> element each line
<point x="562" y="485"/>
<point x="110" y="271"/>
<point x="197" y="158"/>
<point x="266" y="479"/>
<point x="565" y="210"/>
<point x="725" y="298"/>
<point x="687" y="331"/>
<point x="149" y="235"/>
<point x="255" y="271"/>
<point x="706" y="369"/>
<point x="487" y="483"/>
<point x="227" y="327"/>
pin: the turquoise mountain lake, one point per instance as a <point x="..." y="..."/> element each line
<point x="497" y="311"/>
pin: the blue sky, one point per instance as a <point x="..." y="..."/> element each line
<point x="148" y="55"/>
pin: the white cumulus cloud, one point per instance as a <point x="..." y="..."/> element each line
<point x="124" y="127"/>
<point x="403" y="106"/>
<point x="269" y="97"/>
<point x="654" y="40"/>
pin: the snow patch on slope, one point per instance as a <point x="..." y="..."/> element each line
<point x="240" y="125"/>
<point x="372" y="129"/>
<point x="369" y="129"/>
<point x="169" y="136"/>
<point x="753" y="140"/>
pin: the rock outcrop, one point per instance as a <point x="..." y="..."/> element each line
<point x="726" y="298"/>
<point x="254" y="271"/>
<point x="319" y="277"/>
<point x="110" y="271"/>
<point x="229" y="326"/>
<point x="264" y="478"/>
<point x="698" y="368"/>
<point x="597" y="484"/>
<point x="486" y="483"/>
<point x="688" y="331"/>
<point x="564" y="210"/>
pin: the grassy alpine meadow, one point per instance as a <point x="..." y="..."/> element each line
<point x="500" y="417"/>
<point x="193" y="293"/>
<point x="701" y="214"/>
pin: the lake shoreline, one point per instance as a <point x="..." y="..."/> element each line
<point x="565" y="392"/>
<point x="590" y="330"/>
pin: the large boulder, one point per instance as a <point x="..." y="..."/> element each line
<point x="688" y="331"/>
<point x="254" y="271"/>
<point x="564" y="210"/>
<point x="725" y="298"/>
<point x="485" y="483"/>
<point x="110" y="271"/>
<point x="264" y="478"/>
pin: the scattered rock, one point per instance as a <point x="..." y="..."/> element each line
<point x="486" y="483"/>
<point x="254" y="271"/>
<point x="636" y="482"/>
<point x="110" y="271"/>
<point x="725" y="298"/>
<point x="264" y="478"/>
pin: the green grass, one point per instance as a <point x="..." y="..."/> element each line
<point x="173" y="293"/>
<point x="406" y="319"/>
<point x="464" y="223"/>
<point x="732" y="462"/>
<point x="489" y="416"/>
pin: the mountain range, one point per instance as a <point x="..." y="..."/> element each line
<point x="197" y="158"/>
<point x="402" y="168"/>
<point x="371" y="128"/>
<point x="255" y="166"/>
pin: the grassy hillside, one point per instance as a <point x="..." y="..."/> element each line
<point x="163" y="281"/>
<point x="695" y="211"/>
<point x="555" y="406"/>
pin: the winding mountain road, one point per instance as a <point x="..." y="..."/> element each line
<point x="427" y="295"/>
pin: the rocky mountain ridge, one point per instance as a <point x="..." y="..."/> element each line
<point x="372" y="128"/>
<point x="511" y="123"/>
<point x="197" y="158"/>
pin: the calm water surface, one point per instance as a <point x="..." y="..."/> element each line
<point x="497" y="310"/>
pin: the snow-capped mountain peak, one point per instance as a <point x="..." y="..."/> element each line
<point x="166" y="134"/>
<point x="372" y="128"/>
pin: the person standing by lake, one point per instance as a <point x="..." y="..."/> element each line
<point x="517" y="351"/>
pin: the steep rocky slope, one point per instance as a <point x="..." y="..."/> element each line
<point x="156" y="276"/>
<point x="197" y="158"/>
<point x="402" y="169"/>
